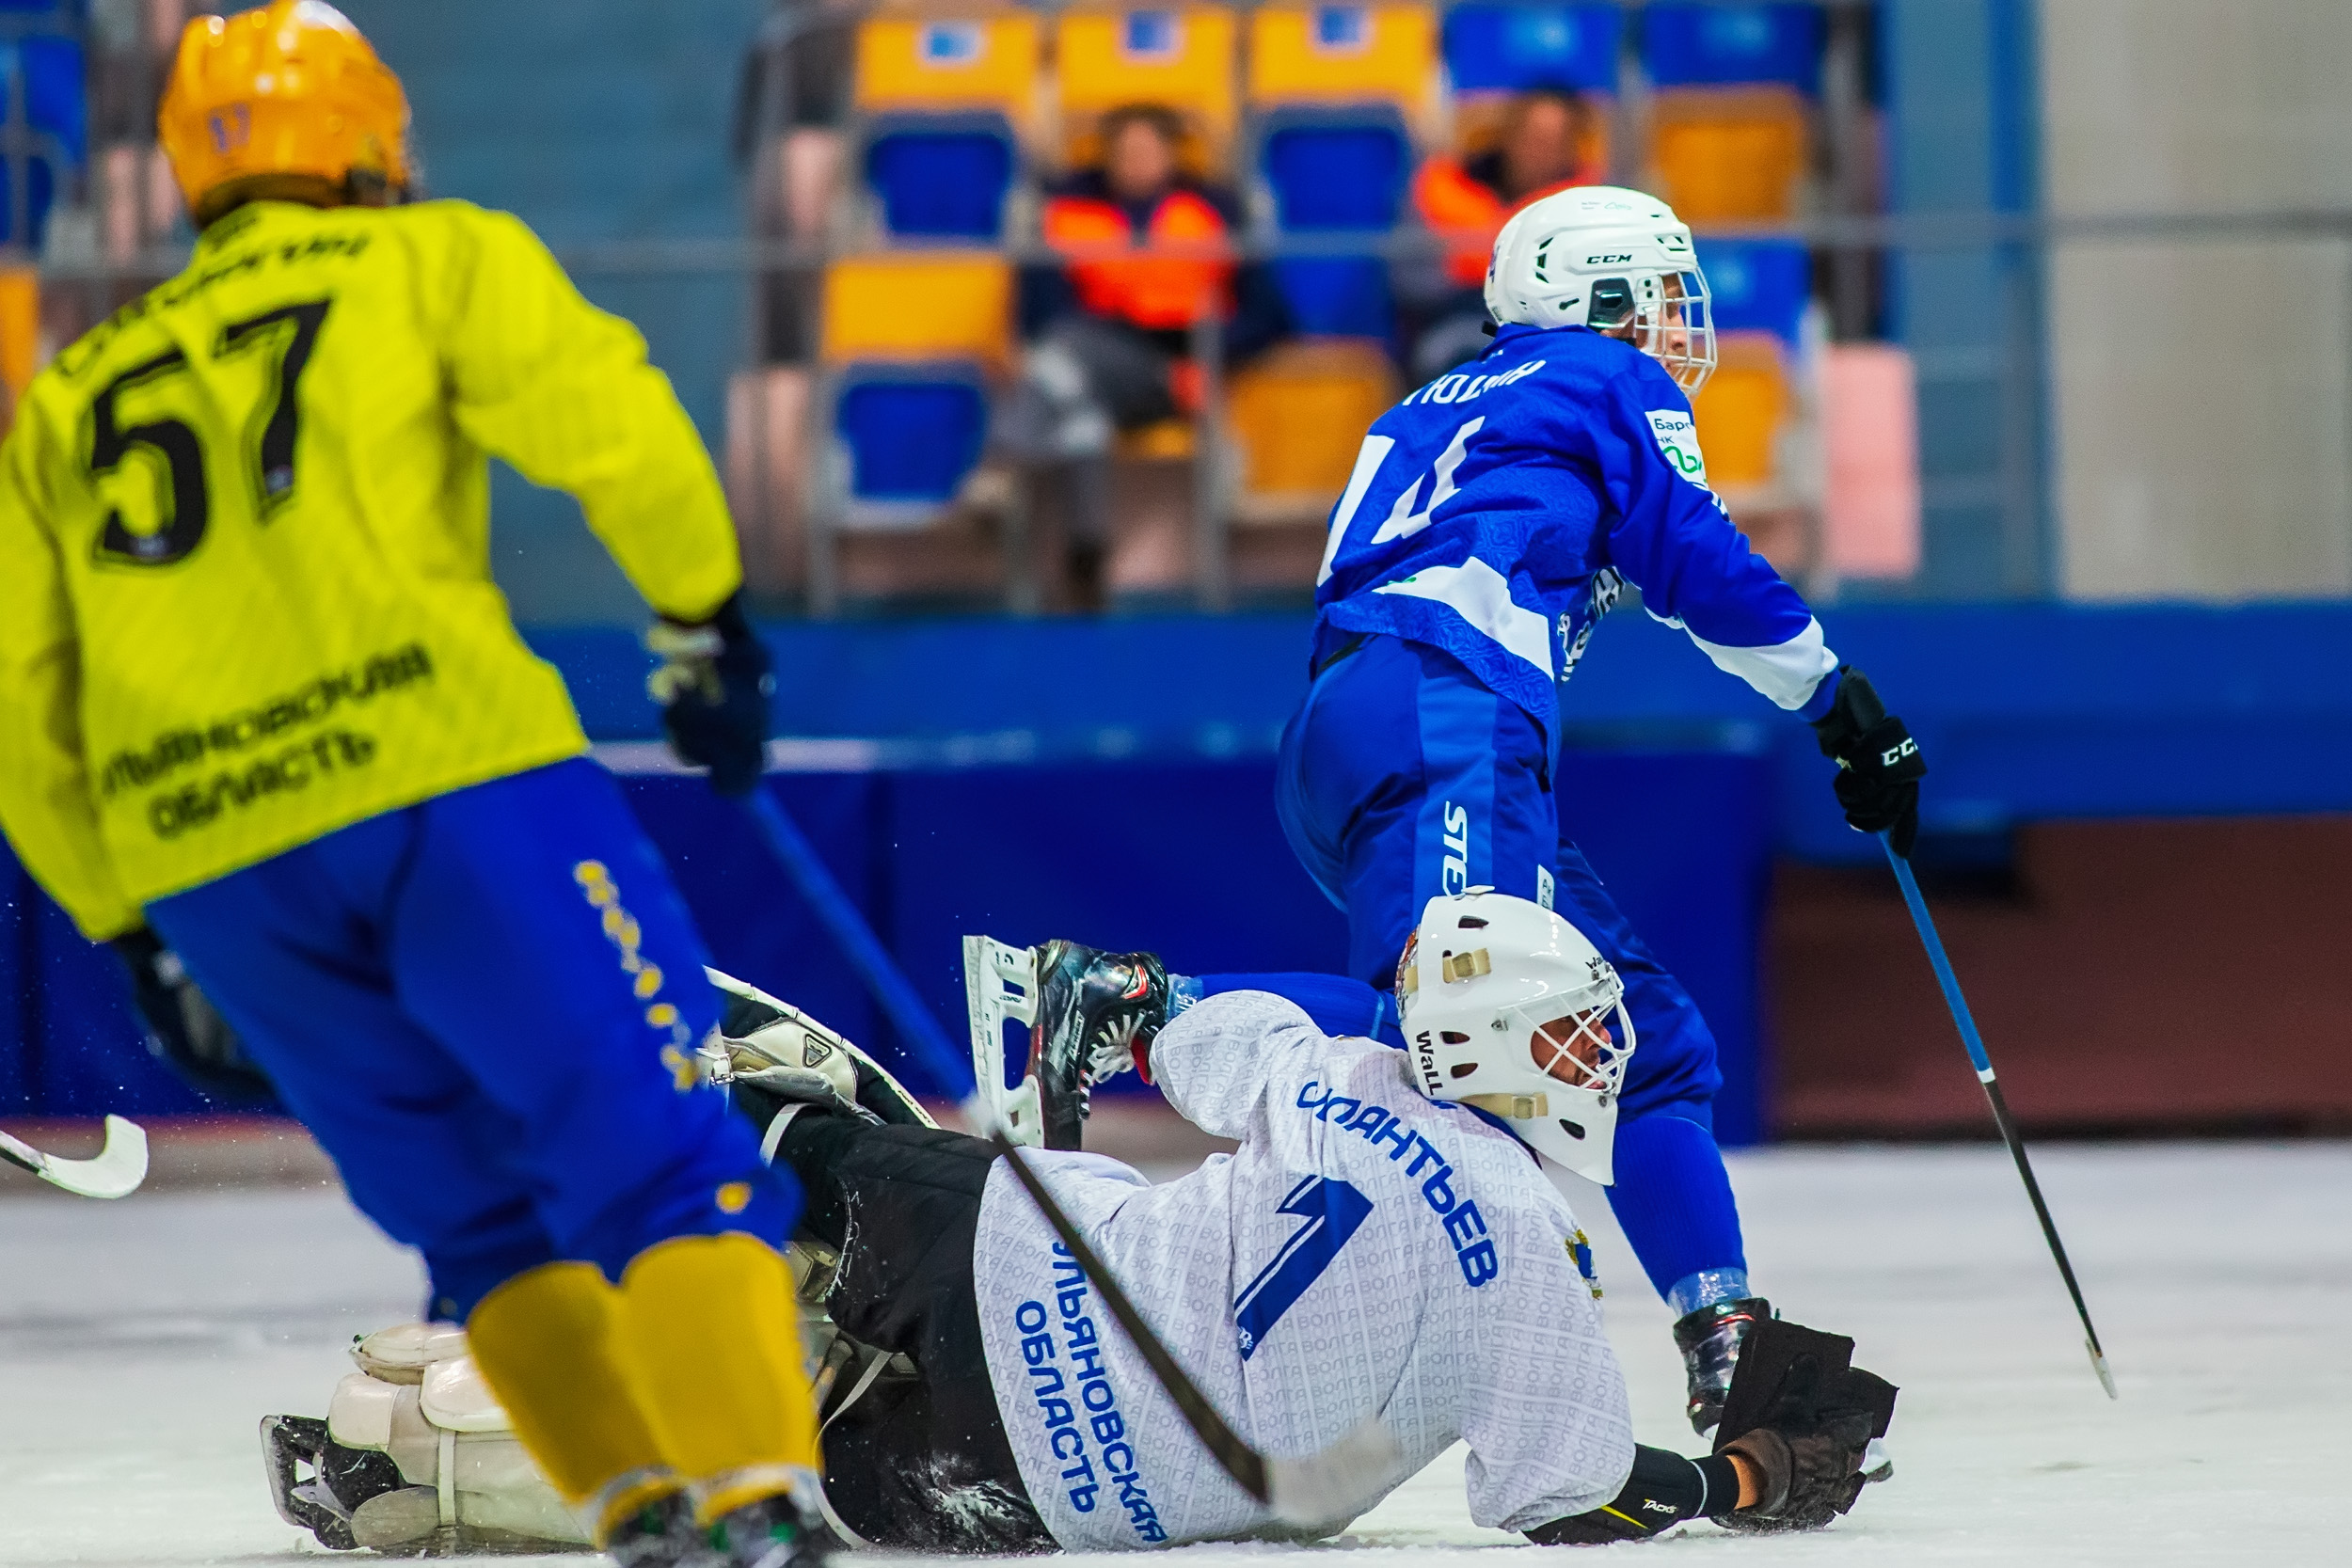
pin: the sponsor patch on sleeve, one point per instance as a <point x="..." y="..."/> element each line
<point x="1678" y="438"/>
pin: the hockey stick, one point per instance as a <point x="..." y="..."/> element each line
<point x="917" y="1029"/>
<point x="1322" y="1490"/>
<point x="1966" y="1023"/>
<point x="115" y="1171"/>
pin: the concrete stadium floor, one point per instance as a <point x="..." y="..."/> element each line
<point x="141" y="1341"/>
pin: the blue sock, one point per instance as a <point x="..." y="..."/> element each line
<point x="1338" y="1005"/>
<point x="1672" y="1200"/>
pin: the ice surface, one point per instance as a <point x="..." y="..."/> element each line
<point x="141" y="1341"/>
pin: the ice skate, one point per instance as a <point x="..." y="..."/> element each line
<point x="338" y="1482"/>
<point x="1096" y="1013"/>
<point x="773" y="1532"/>
<point x="662" y="1534"/>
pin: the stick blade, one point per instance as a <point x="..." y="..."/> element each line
<point x="1327" y="1490"/>
<point x="2106" y="1378"/>
<point x="115" y="1171"/>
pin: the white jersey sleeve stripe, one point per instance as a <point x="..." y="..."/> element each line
<point x="1784" y="672"/>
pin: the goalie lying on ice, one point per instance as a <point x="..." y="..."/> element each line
<point x="1367" y="1249"/>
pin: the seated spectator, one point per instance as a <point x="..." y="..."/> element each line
<point x="1109" y="335"/>
<point x="1541" y="151"/>
<point x="791" y="105"/>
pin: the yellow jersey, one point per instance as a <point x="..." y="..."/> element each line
<point x="245" y="580"/>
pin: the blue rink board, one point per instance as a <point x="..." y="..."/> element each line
<point x="2025" y="712"/>
<point x="1183" y="856"/>
<point x="1110" y="780"/>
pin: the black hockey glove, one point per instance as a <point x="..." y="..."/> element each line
<point x="184" y="1031"/>
<point x="1879" y="765"/>
<point x="1802" y="1413"/>
<point x="713" y="685"/>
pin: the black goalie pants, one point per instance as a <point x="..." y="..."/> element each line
<point x="921" y="1463"/>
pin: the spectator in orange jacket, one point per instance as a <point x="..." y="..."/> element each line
<point x="1541" y="151"/>
<point x="1109" y="329"/>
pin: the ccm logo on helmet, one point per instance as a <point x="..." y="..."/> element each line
<point x="1605" y="260"/>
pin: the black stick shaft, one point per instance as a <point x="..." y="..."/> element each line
<point x="1965" y="1022"/>
<point x="2041" y="1210"/>
<point x="1236" y="1458"/>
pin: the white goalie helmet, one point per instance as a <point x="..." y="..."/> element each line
<point x="1508" y="1008"/>
<point x="1615" y="260"/>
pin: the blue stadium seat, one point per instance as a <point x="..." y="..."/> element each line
<point x="1688" y="45"/>
<point x="1331" y="176"/>
<point x="912" y="436"/>
<point x="1512" y="48"/>
<point x="1758" y="285"/>
<point x="942" y="177"/>
<point x="48" y="72"/>
<point x="1335" y="171"/>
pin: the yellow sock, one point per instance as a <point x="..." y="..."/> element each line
<point x="547" y="1342"/>
<point x="714" y="1346"/>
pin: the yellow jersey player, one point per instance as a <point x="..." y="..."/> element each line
<point x="264" y="723"/>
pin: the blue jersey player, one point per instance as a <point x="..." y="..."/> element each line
<point x="1492" y="518"/>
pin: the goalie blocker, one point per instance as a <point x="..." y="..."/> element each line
<point x="1366" y="1251"/>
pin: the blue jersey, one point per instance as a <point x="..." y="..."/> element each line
<point x="1496" y="513"/>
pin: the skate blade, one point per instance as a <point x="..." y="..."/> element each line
<point x="1000" y="987"/>
<point x="1327" y="1490"/>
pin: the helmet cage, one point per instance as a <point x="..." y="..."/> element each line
<point x="1673" y="319"/>
<point x="1590" y="1054"/>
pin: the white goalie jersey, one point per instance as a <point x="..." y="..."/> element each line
<point x="1366" y="1250"/>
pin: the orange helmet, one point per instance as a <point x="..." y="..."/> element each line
<point x="291" y="88"/>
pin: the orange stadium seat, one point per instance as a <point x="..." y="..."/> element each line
<point x="1296" y="419"/>
<point x="983" y="58"/>
<point x="1729" y="154"/>
<point x="920" y="305"/>
<point x="1344" y="54"/>
<point x="1181" y="56"/>
<point x="1741" y="409"/>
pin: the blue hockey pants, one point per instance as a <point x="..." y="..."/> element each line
<point x="486" y="1008"/>
<point x="1401" y="778"/>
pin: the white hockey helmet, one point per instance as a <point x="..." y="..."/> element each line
<point x="1612" y="260"/>
<point x="1508" y="1008"/>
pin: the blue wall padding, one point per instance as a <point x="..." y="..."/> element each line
<point x="1758" y="285"/>
<point x="1683" y="841"/>
<point x="70" y="1042"/>
<point x="911" y="440"/>
<point x="941" y="183"/>
<point x="2025" y="711"/>
<point x="1732" y="45"/>
<point x="1181" y="856"/>
<point x="1327" y="177"/>
<point x="1508" y="48"/>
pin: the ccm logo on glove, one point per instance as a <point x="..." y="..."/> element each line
<point x="1879" y="765"/>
